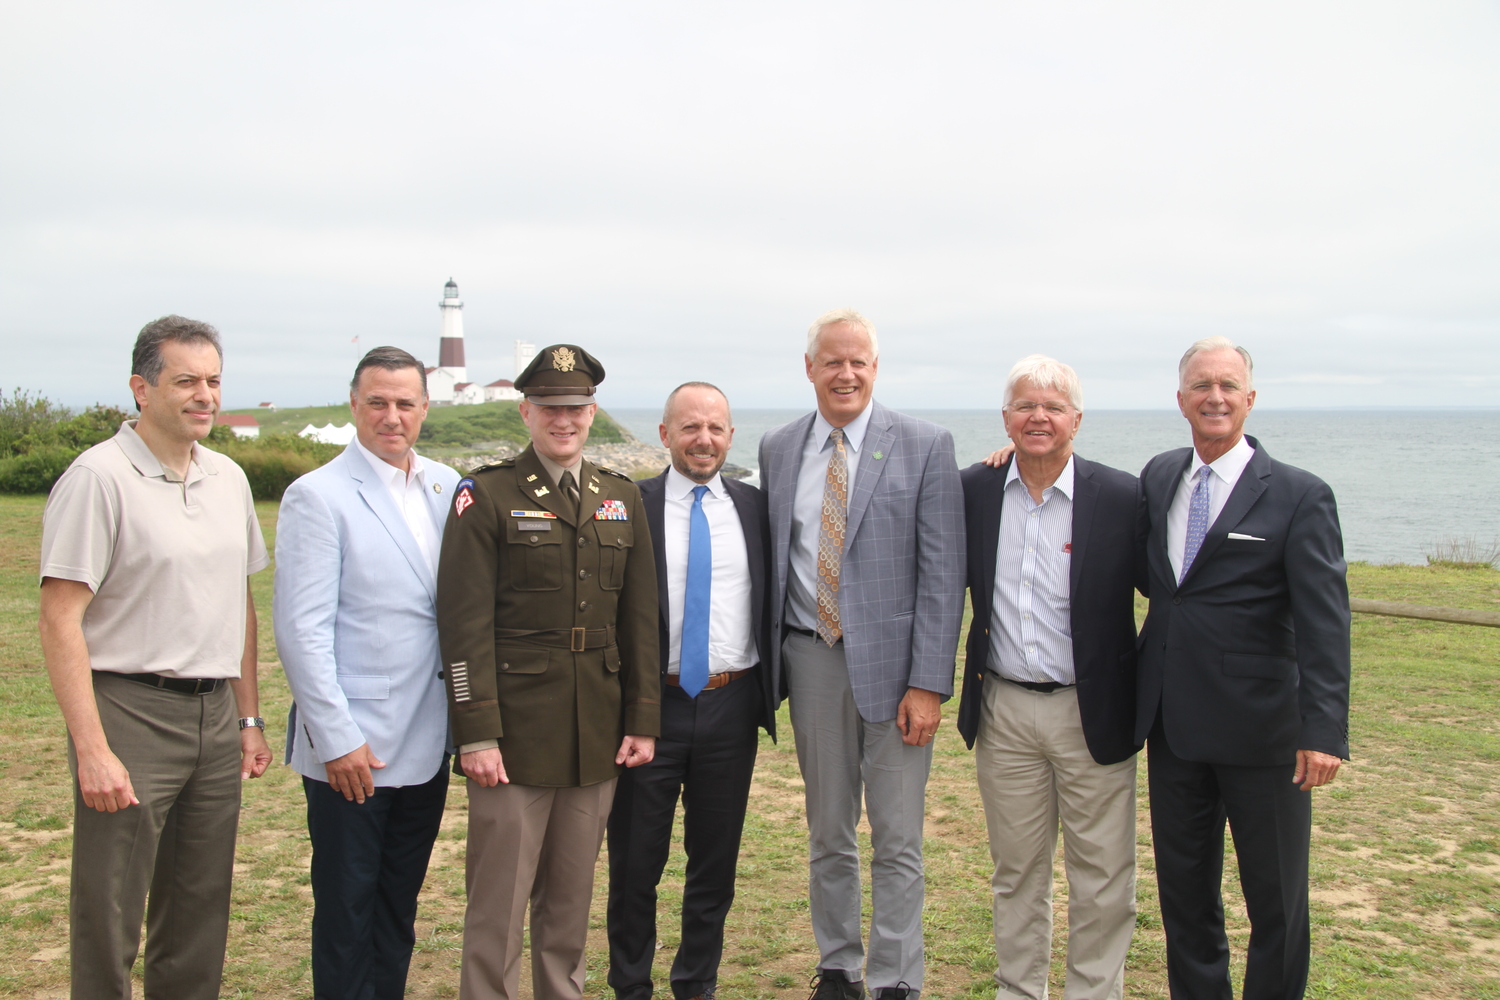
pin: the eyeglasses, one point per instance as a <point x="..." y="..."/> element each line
<point x="1026" y="408"/>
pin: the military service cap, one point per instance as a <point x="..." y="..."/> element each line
<point x="561" y="375"/>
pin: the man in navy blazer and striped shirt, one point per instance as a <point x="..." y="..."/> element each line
<point x="1054" y="545"/>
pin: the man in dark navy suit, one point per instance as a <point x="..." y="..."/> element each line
<point x="1243" y="681"/>
<point x="710" y="538"/>
<point x="1054" y="555"/>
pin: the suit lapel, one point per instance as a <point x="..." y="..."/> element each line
<point x="378" y="498"/>
<point x="991" y="509"/>
<point x="654" y="500"/>
<point x="786" y="458"/>
<point x="1252" y="483"/>
<point x="1166" y="492"/>
<point x="551" y="499"/>
<point x="1085" y="502"/>
<point x="878" y="437"/>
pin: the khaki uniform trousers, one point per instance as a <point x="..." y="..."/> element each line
<point x="1034" y="769"/>
<point x="536" y="845"/>
<point x="183" y="755"/>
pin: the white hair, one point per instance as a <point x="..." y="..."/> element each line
<point x="1045" y="373"/>
<point x="1216" y="344"/>
<point x="832" y="316"/>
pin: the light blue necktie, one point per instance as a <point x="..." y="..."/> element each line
<point x="693" y="661"/>
<point x="1198" y="519"/>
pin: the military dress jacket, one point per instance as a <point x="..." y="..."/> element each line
<point x="547" y="620"/>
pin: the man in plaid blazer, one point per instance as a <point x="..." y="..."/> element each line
<point x="867" y="529"/>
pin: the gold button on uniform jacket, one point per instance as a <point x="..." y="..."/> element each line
<point x="548" y="621"/>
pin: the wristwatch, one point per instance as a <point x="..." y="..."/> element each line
<point x="253" y="720"/>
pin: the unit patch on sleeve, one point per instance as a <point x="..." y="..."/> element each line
<point x="464" y="499"/>
<point x="612" y="510"/>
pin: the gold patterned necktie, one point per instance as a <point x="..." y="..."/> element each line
<point x="831" y="541"/>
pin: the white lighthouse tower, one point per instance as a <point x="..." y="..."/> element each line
<point x="451" y="347"/>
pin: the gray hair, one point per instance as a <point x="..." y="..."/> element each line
<point x="850" y="316"/>
<point x="146" y="360"/>
<point x="666" y="410"/>
<point x="391" y="359"/>
<point x="1045" y="373"/>
<point x="1216" y="344"/>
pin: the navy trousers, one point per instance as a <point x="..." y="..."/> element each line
<point x="706" y="753"/>
<point x="1271" y="821"/>
<point x="368" y="863"/>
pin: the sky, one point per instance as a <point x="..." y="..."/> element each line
<point x="681" y="188"/>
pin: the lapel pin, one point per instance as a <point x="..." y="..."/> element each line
<point x="437" y="487"/>
<point x="531" y="479"/>
<point x="879" y="455"/>
<point x="541" y="491"/>
<point x="593" y="488"/>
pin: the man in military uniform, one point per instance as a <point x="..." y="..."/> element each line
<point x="547" y="619"/>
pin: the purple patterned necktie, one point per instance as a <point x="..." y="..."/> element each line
<point x="1198" y="518"/>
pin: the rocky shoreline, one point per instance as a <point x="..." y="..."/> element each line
<point x="635" y="458"/>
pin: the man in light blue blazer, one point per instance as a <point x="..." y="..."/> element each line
<point x="357" y="547"/>
<point x="867" y="534"/>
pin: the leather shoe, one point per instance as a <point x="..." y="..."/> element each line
<point x="834" y="984"/>
<point x="900" y="991"/>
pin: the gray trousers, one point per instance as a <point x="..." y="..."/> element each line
<point x="537" y="846"/>
<point x="183" y="755"/>
<point x="841" y="756"/>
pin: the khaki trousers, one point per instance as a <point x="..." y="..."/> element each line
<point x="183" y="755"/>
<point x="536" y="845"/>
<point x="1034" y="769"/>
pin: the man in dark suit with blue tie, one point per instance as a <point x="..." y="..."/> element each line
<point x="710" y="538"/>
<point x="1243" y="692"/>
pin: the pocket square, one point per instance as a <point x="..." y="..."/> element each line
<point x="1244" y="538"/>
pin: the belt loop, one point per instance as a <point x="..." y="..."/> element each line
<point x="577" y="641"/>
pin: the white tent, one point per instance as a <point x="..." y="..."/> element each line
<point x="329" y="434"/>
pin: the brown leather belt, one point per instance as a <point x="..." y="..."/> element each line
<point x="572" y="639"/>
<point x="182" y="685"/>
<point x="714" y="680"/>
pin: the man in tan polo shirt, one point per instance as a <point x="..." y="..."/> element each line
<point x="148" y="629"/>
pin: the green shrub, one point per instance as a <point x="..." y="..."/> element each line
<point x="35" y="471"/>
<point x="271" y="470"/>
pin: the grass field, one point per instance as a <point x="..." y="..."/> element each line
<point x="1405" y="866"/>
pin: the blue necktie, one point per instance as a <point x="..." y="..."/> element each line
<point x="1197" y="526"/>
<point x="693" y="661"/>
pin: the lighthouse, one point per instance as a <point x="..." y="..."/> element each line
<point x="451" y="347"/>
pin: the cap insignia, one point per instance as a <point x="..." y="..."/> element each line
<point x="564" y="360"/>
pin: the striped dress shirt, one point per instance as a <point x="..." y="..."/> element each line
<point x="1031" y="635"/>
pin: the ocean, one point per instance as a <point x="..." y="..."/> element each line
<point x="1405" y="480"/>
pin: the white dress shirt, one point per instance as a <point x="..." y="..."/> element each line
<point x="409" y="491"/>
<point x="731" y="646"/>
<point x="807" y="513"/>
<point x="1226" y="472"/>
<point x="1031" y="626"/>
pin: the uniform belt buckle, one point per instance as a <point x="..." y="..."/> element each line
<point x="577" y="640"/>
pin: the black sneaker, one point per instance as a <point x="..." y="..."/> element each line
<point x="900" y="991"/>
<point x="834" y="984"/>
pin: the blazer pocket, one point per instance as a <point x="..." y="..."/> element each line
<point x="373" y="686"/>
<point x="1271" y="668"/>
<point x="521" y="661"/>
<point x="904" y="614"/>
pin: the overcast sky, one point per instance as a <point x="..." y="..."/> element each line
<point x="681" y="187"/>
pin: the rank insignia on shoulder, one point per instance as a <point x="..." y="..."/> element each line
<point x="534" y="513"/>
<point x="612" y="510"/>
